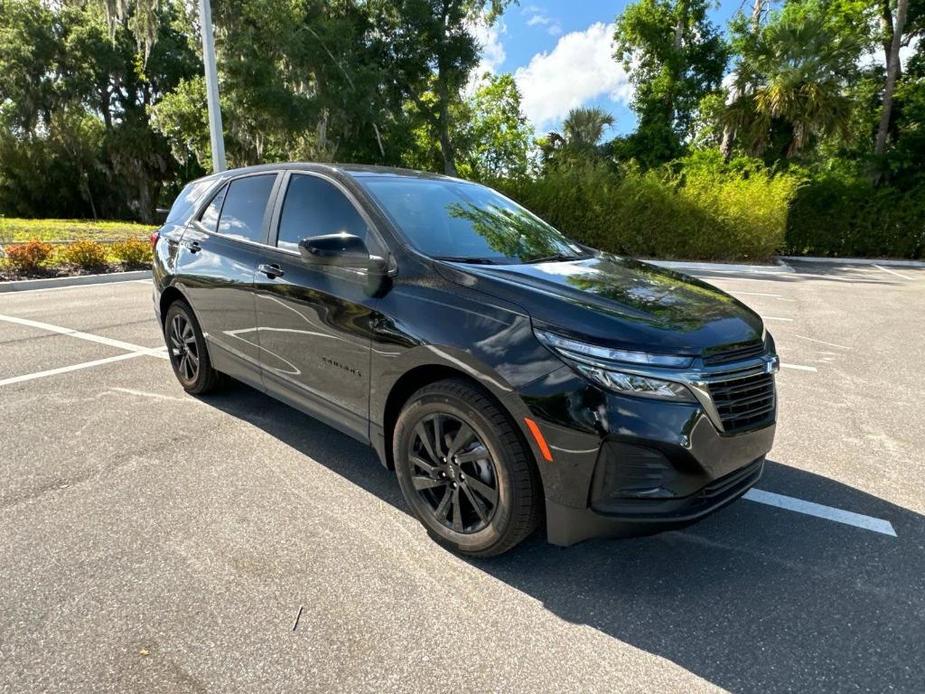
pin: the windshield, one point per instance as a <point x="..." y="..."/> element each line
<point x="467" y="222"/>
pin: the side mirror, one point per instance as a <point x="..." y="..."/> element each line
<point x="343" y="250"/>
<point x="347" y="250"/>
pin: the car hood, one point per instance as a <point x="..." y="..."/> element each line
<point x="620" y="302"/>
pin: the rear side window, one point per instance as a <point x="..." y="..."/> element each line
<point x="314" y="207"/>
<point x="244" y="207"/>
<point x="209" y="217"/>
<point x="187" y="200"/>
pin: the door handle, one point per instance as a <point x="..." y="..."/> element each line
<point x="270" y="271"/>
<point x="193" y="246"/>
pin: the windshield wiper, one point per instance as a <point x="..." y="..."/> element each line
<point x="465" y="259"/>
<point x="557" y="257"/>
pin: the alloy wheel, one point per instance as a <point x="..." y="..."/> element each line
<point x="184" y="351"/>
<point x="454" y="473"/>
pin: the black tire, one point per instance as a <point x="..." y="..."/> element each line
<point x="495" y="465"/>
<point x="186" y="346"/>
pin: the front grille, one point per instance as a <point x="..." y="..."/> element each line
<point x="738" y="352"/>
<point x="744" y="403"/>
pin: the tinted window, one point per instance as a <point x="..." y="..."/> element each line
<point x="245" y="203"/>
<point x="314" y="207"/>
<point x="187" y="200"/>
<point x="459" y="220"/>
<point x="209" y="218"/>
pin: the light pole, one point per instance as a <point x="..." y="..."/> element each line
<point x="215" y="109"/>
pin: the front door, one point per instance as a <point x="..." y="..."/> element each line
<point x="314" y="321"/>
<point x="218" y="257"/>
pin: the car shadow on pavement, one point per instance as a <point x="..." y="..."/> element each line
<point x="753" y="598"/>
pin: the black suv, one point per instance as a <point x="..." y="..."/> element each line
<point x="509" y="375"/>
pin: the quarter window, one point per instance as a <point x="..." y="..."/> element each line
<point x="315" y="207"/>
<point x="245" y="204"/>
<point x="209" y="217"/>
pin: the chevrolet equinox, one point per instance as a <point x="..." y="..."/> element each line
<point x="510" y="376"/>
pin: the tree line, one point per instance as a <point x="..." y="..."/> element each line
<point x="102" y="104"/>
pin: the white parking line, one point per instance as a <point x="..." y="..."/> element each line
<point x="837" y="515"/>
<point x="822" y="342"/>
<point x="786" y="320"/>
<point x="768" y="296"/>
<point x="89" y="337"/>
<point x="892" y="272"/>
<point x="72" y="367"/>
<point x="798" y="367"/>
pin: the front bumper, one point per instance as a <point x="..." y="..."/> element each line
<point x="629" y="466"/>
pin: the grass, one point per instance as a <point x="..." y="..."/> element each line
<point x="14" y="230"/>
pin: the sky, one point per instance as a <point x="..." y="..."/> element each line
<point x="560" y="53"/>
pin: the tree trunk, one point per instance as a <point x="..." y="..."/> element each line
<point x="729" y="138"/>
<point x="679" y="27"/>
<point x="892" y="74"/>
<point x="729" y="133"/>
<point x="886" y="25"/>
<point x="443" y="99"/>
<point x="446" y="146"/>
<point x="106" y="106"/>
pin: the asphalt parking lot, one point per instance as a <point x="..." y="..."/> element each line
<point x="152" y="541"/>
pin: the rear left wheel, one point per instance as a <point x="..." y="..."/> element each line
<point x="187" y="349"/>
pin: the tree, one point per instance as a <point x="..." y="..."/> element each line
<point x="494" y="135"/>
<point x="300" y="80"/>
<point x="584" y="127"/>
<point x="74" y="94"/>
<point x="892" y="75"/>
<point x="675" y="56"/>
<point x="796" y="68"/>
<point x="431" y="48"/>
<point x="741" y="85"/>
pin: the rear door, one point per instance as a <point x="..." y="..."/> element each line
<point x="219" y="255"/>
<point x="314" y="321"/>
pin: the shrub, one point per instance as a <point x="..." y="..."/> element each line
<point x="27" y="257"/>
<point x="698" y="208"/>
<point x="87" y="255"/>
<point x="133" y="252"/>
<point x="845" y="215"/>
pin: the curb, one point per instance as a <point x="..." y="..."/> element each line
<point x="778" y="269"/>
<point x="59" y="282"/>
<point x="854" y="261"/>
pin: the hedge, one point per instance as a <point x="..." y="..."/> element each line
<point x="849" y="216"/>
<point x="698" y="211"/>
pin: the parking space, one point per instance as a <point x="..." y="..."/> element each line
<point x="154" y="541"/>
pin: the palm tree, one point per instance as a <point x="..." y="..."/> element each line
<point x="584" y="127"/>
<point x="796" y="71"/>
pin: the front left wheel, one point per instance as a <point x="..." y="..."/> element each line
<point x="464" y="470"/>
<point x="187" y="349"/>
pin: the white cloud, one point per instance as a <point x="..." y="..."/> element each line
<point x="492" y="51"/>
<point x="538" y="18"/>
<point x="580" y="68"/>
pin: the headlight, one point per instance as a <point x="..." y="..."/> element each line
<point x="582" y="351"/>
<point x="643" y="386"/>
<point x="602" y="366"/>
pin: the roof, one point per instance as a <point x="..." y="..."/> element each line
<point x="355" y="170"/>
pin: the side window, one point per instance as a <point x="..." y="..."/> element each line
<point x="186" y="202"/>
<point x="209" y="217"/>
<point x="314" y="207"/>
<point x="245" y="204"/>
